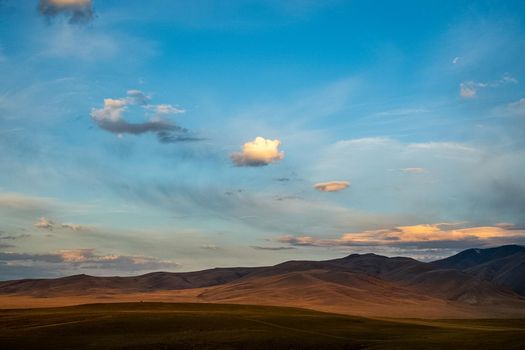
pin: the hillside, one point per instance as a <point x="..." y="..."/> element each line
<point x="463" y="285"/>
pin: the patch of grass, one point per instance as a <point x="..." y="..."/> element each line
<point x="218" y="326"/>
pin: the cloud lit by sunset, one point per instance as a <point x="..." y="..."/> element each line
<point x="258" y="152"/>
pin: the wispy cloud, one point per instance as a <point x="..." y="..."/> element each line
<point x="50" y="225"/>
<point x="413" y="170"/>
<point x="77" y="11"/>
<point x="86" y="259"/>
<point x="19" y="201"/>
<point x="444" y="235"/>
<point x="517" y="107"/>
<point x="258" y="247"/>
<point x="209" y="247"/>
<point x="469" y="89"/>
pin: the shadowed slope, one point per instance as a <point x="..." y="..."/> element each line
<point x="503" y="265"/>
<point x="84" y="284"/>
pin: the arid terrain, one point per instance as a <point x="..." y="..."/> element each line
<point x="476" y="283"/>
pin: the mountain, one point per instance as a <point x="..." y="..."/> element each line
<point x="475" y="257"/>
<point x="503" y="265"/>
<point x="473" y="283"/>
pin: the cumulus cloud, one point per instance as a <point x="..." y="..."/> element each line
<point x="331" y="186"/>
<point x="45" y="224"/>
<point x="111" y="118"/>
<point x="78" y="11"/>
<point x="437" y="235"/>
<point x="259" y="152"/>
<point x="469" y="89"/>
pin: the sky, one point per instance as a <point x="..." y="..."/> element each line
<point x="183" y="135"/>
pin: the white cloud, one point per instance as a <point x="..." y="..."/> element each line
<point x="73" y="227"/>
<point x="48" y="224"/>
<point x="45" y="224"/>
<point x="332" y="186"/>
<point x="166" y="109"/>
<point x="469" y="89"/>
<point x="413" y="170"/>
<point x="259" y="152"/>
<point x="209" y="246"/>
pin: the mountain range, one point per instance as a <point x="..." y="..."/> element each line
<point x="471" y="284"/>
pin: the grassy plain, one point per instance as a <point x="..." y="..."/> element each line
<point x="223" y="326"/>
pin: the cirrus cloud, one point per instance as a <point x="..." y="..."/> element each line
<point x="469" y="89"/>
<point x="259" y="152"/>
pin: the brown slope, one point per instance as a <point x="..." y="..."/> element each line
<point x="504" y="265"/>
<point x="508" y="271"/>
<point x="85" y="285"/>
<point x="358" y="284"/>
<point x="428" y="279"/>
<point x="351" y="293"/>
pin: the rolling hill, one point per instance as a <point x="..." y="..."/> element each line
<point x="473" y="283"/>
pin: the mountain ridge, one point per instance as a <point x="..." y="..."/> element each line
<point x="367" y="284"/>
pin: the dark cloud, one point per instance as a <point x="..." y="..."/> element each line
<point x="49" y="258"/>
<point x="69" y="261"/>
<point x="282" y="179"/>
<point x="176" y="135"/>
<point x="78" y="11"/>
<point x="503" y="198"/>
<point x="111" y="118"/>
<point x="13" y="237"/>
<point x="257" y="247"/>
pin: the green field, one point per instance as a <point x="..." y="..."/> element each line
<point x="214" y="326"/>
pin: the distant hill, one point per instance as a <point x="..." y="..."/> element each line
<point x="503" y="265"/>
<point x="475" y="282"/>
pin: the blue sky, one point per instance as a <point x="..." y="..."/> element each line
<point x="180" y="135"/>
